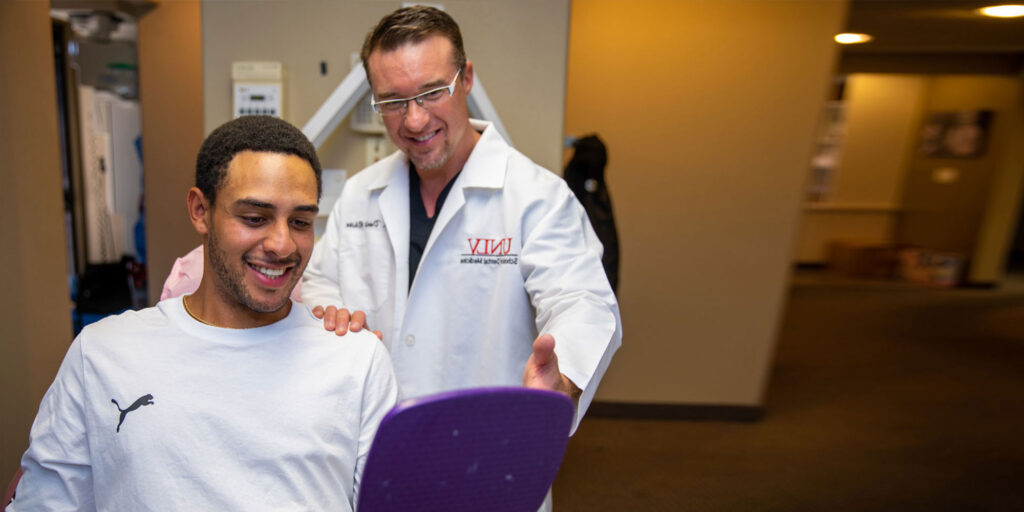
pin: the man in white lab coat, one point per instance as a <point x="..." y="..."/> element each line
<point x="460" y="250"/>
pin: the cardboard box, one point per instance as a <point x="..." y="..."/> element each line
<point x="934" y="268"/>
<point x="871" y="259"/>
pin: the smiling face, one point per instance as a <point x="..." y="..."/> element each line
<point x="259" y="237"/>
<point x="438" y="140"/>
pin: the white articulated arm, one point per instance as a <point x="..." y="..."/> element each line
<point x="337" y="106"/>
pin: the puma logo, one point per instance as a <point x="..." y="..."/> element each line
<point x="143" y="400"/>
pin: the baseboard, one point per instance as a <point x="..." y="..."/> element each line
<point x="810" y="265"/>
<point x="646" y="411"/>
<point x="979" y="285"/>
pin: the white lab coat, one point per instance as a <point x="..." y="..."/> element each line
<point x="511" y="255"/>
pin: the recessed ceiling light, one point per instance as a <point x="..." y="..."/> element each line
<point x="1003" y="11"/>
<point x="851" y="38"/>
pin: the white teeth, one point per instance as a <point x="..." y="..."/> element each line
<point x="270" y="272"/>
<point x="425" y="137"/>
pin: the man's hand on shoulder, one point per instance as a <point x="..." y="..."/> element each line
<point x="542" y="370"/>
<point x="341" y="321"/>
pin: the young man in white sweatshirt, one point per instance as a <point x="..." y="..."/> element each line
<point x="233" y="397"/>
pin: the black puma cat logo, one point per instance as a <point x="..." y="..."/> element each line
<point x="144" y="400"/>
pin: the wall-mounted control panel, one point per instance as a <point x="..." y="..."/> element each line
<point x="258" y="88"/>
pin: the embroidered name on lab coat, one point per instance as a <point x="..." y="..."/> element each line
<point x="365" y="224"/>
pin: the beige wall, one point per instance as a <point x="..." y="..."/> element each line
<point x="1002" y="213"/>
<point x="885" y="191"/>
<point x="170" y="94"/>
<point x="708" y="110"/>
<point x="882" y="116"/>
<point x="518" y="50"/>
<point x="882" y="113"/>
<point x="35" y="307"/>
<point x="822" y="224"/>
<point x="974" y="215"/>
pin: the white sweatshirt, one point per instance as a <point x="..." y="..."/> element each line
<point x="273" y="418"/>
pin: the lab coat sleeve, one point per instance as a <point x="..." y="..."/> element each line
<point x="320" y="281"/>
<point x="57" y="468"/>
<point x="561" y="265"/>
<point x="380" y="394"/>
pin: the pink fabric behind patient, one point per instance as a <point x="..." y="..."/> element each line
<point x="188" y="271"/>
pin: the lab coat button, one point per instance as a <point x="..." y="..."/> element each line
<point x="410" y="340"/>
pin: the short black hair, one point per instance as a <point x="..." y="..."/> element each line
<point x="412" y="25"/>
<point x="249" y="133"/>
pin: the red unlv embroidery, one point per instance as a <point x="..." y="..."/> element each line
<point x="489" y="251"/>
<point x="490" y="246"/>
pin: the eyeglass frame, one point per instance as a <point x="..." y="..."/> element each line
<point x="419" y="98"/>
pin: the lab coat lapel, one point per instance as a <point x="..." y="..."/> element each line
<point x="394" y="210"/>
<point x="484" y="169"/>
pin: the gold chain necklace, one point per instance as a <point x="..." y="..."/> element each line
<point x="184" y="302"/>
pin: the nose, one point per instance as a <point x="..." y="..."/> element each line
<point x="416" y="117"/>
<point x="279" y="239"/>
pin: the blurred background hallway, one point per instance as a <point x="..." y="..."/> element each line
<point x="883" y="396"/>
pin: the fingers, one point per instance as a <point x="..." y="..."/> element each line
<point x="328" y="316"/>
<point x="541" y="370"/>
<point x="543" y="350"/>
<point x="334" y="319"/>
<point x="341" y="322"/>
<point x="357" y="322"/>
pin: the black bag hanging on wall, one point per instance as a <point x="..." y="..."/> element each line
<point x="585" y="177"/>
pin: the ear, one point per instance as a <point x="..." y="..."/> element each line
<point x="199" y="210"/>
<point x="467" y="76"/>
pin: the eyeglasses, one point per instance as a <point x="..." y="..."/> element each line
<point x="428" y="99"/>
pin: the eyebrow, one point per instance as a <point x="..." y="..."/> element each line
<point x="256" y="203"/>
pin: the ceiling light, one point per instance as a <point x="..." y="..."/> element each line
<point x="1003" y="11"/>
<point x="850" y="38"/>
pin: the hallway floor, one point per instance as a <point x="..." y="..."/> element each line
<point x="883" y="397"/>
